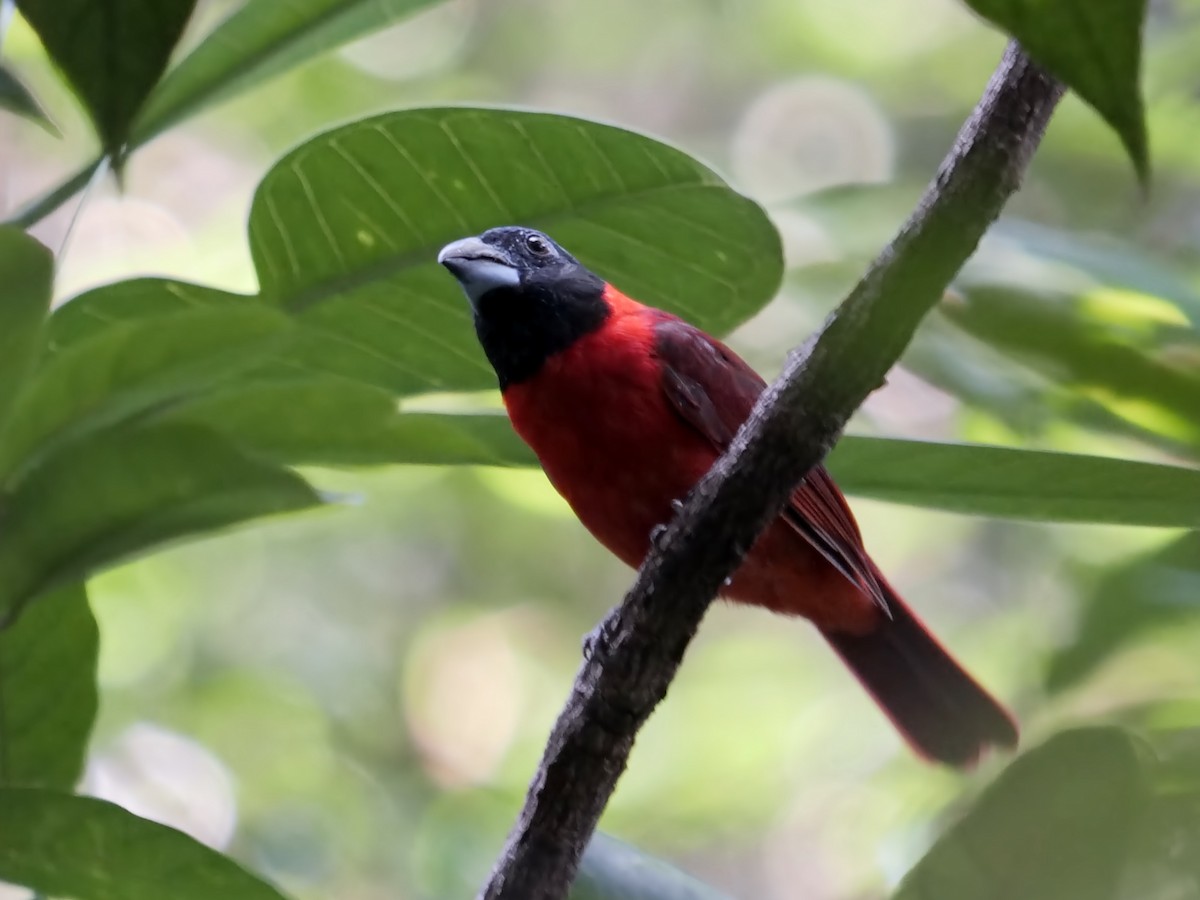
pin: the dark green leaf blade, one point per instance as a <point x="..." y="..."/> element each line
<point x="133" y="300"/>
<point x="130" y="300"/>
<point x="26" y="283"/>
<point x="48" y="695"/>
<point x="346" y="230"/>
<point x="134" y="367"/>
<point x="1151" y="593"/>
<point x="1020" y="484"/>
<point x="261" y="39"/>
<point x="334" y="422"/>
<point x="1057" y="824"/>
<point x="612" y="870"/>
<point x="329" y="421"/>
<point x="1094" y="47"/>
<point x="89" y="849"/>
<point x="115" y="494"/>
<point x="18" y="99"/>
<point x="111" y="51"/>
<point x="287" y="412"/>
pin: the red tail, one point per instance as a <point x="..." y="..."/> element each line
<point x="941" y="710"/>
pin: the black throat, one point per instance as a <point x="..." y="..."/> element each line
<point x="521" y="328"/>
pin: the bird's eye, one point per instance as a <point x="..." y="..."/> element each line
<point x="537" y="245"/>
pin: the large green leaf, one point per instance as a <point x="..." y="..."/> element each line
<point x="133" y="300"/>
<point x="320" y="419"/>
<point x="1020" y="484"/>
<point x="340" y="423"/>
<point x="612" y="870"/>
<point x="132" y="368"/>
<point x="90" y="849"/>
<point x="48" y="691"/>
<point x="1151" y="593"/>
<point x="1094" y="46"/>
<point x="333" y="421"/>
<point x="118" y="493"/>
<point x="353" y="424"/>
<point x="346" y="230"/>
<point x="1057" y="824"/>
<point x="336" y="422"/>
<point x="260" y="40"/>
<point x="111" y="51"/>
<point x="26" y="283"/>
<point x="16" y="98"/>
<point x="330" y="421"/>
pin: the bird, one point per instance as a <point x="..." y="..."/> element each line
<point x="627" y="406"/>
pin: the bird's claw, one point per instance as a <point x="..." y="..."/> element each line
<point x="657" y="533"/>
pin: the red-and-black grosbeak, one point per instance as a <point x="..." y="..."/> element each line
<point x="628" y="406"/>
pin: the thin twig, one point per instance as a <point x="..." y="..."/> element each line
<point x="636" y="651"/>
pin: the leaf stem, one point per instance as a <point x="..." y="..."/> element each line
<point x="34" y="212"/>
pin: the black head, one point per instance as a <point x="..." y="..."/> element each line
<point x="531" y="298"/>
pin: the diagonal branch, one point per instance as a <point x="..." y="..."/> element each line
<point x="637" y="649"/>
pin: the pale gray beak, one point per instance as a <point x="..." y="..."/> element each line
<point x="480" y="268"/>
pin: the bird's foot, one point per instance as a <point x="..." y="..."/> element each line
<point x="657" y="534"/>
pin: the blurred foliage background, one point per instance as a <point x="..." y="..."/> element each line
<point x="351" y="700"/>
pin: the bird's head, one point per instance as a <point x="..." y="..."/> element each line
<point x="530" y="297"/>
<point x="515" y="260"/>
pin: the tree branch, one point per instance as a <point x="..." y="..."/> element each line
<point x="637" y="649"/>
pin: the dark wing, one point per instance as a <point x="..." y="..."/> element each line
<point x="713" y="390"/>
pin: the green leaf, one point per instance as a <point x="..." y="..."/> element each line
<point x="612" y="870"/>
<point x="111" y="51"/>
<point x="16" y="98"/>
<point x="261" y="39"/>
<point x="115" y="494"/>
<point x="26" y="283"/>
<point x="48" y="694"/>
<point x="1056" y="825"/>
<point x="1094" y="47"/>
<point x="983" y="378"/>
<point x="90" y="849"/>
<point x="1018" y="484"/>
<point x="328" y="421"/>
<point x="335" y="422"/>
<point x="132" y="368"/>
<point x="133" y="300"/>
<point x="1149" y="594"/>
<point x="1135" y="353"/>
<point x="346" y="229"/>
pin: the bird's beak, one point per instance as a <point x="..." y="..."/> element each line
<point x="480" y="268"/>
